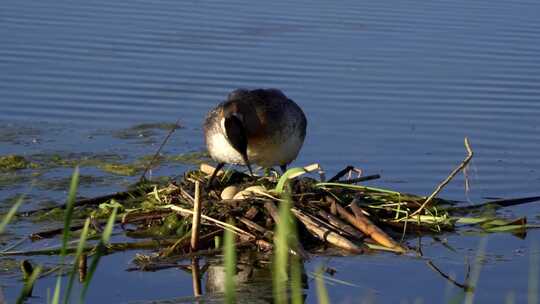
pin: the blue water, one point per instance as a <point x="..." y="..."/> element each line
<point x="390" y="87"/>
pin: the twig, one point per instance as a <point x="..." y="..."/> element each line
<point x="213" y="220"/>
<point x="92" y="201"/>
<point x="342" y="227"/>
<point x="176" y="126"/>
<point x="196" y="217"/>
<point x="55" y="231"/>
<point x="360" y="179"/>
<point x="272" y="209"/>
<point x="447" y="277"/>
<point x="497" y="203"/>
<point x="110" y="248"/>
<point x="183" y="242"/>
<point x="265" y="232"/>
<point x="324" y="233"/>
<point x="448" y="179"/>
<point x="133" y="217"/>
<point x="365" y="225"/>
<point x="373" y="230"/>
<point x="340" y="174"/>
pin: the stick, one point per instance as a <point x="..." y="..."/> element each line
<point x="448" y="179"/>
<point x="500" y="203"/>
<point x="176" y="126"/>
<point x="339" y="224"/>
<point x="91" y="201"/>
<point x="213" y="220"/>
<point x="45" y="234"/>
<point x="196" y="217"/>
<point x="183" y="242"/>
<point x="255" y="226"/>
<point x="133" y="217"/>
<point x="272" y="209"/>
<point x="340" y="174"/>
<point x="360" y="179"/>
<point x="109" y="248"/>
<point x="366" y="226"/>
<point x="325" y="234"/>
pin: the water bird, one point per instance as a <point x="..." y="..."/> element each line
<point x="261" y="126"/>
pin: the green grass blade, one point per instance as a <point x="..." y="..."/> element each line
<point x="230" y="266"/>
<point x="29" y="285"/>
<point x="11" y="213"/>
<point x="70" y="204"/>
<point x="296" y="281"/>
<point x="475" y="273"/>
<point x="107" y="231"/>
<point x="471" y="220"/>
<point x="78" y="253"/>
<point x="281" y="251"/>
<point x="291" y="173"/>
<point x="510" y="298"/>
<point x="57" y="288"/>
<point x="509" y="228"/>
<point x="356" y="187"/>
<point x="322" y="293"/>
<point x="100" y="250"/>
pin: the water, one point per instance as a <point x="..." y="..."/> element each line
<point x="391" y="87"/>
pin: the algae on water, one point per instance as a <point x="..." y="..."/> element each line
<point x="13" y="162"/>
<point x="120" y="169"/>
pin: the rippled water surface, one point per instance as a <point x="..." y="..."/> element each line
<point x="391" y="87"/>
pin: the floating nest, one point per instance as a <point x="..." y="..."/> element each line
<point x="339" y="215"/>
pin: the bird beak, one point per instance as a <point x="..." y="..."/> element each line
<point x="236" y="134"/>
<point x="249" y="166"/>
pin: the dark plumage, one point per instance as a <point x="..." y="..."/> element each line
<point x="260" y="126"/>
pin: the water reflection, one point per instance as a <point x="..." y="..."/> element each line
<point x="253" y="278"/>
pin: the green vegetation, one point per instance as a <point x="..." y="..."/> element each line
<point x="230" y="266"/>
<point x="13" y="162"/>
<point x="120" y="169"/>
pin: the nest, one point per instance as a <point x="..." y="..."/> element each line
<point x="338" y="216"/>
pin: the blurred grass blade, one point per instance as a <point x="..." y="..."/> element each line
<point x="100" y="250"/>
<point x="230" y="266"/>
<point x="471" y="220"/>
<point x="29" y="285"/>
<point x="80" y="248"/>
<point x="107" y="231"/>
<point x="534" y="270"/>
<point x="56" y="295"/>
<point x="475" y="273"/>
<point x="322" y="293"/>
<point x="281" y="251"/>
<point x="510" y="298"/>
<point x="68" y="214"/>
<point x="11" y="213"/>
<point x="296" y="281"/>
